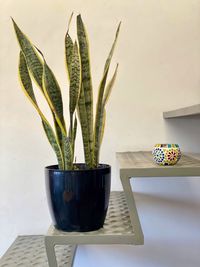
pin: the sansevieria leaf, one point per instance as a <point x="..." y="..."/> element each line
<point x="32" y="58"/>
<point x="68" y="153"/>
<point x="68" y="53"/>
<point x="33" y="67"/>
<point x="109" y="87"/>
<point x="68" y="48"/>
<point x="86" y="77"/>
<point x="75" y="83"/>
<point x="102" y="117"/>
<point x="82" y="113"/>
<point x="98" y="135"/>
<point x="54" y="143"/>
<point x="102" y="128"/>
<point x="108" y="60"/>
<point x="28" y="90"/>
<point x="53" y="95"/>
<point x="100" y="108"/>
<point x="34" y="64"/>
<point x="25" y="79"/>
<point x="74" y="136"/>
<point x="75" y="80"/>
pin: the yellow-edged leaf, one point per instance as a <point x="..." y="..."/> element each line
<point x="53" y="95"/>
<point x="54" y="143"/>
<point x="82" y="113"/>
<point x="27" y="87"/>
<point x="100" y="108"/>
<point x="86" y="78"/>
<point x="75" y="81"/>
<point x="74" y="136"/>
<point x="68" y="53"/>
<point x="68" y="153"/>
<point x="109" y="87"/>
<point x="34" y="64"/>
<point x="108" y="60"/>
<point x="68" y="48"/>
<point x="103" y="126"/>
<point x="32" y="58"/>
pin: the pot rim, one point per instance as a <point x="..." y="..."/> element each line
<point x="101" y="166"/>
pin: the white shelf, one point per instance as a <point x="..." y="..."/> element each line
<point x="122" y="225"/>
<point x="183" y="112"/>
<point x="29" y="251"/>
<point x="141" y="164"/>
<point x="117" y="228"/>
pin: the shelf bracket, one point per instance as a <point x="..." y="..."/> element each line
<point x="135" y="221"/>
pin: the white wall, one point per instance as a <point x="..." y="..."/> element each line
<point x="159" y="56"/>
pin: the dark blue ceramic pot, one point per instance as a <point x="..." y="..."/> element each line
<point x="78" y="200"/>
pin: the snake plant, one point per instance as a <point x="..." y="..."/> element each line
<point x="33" y="68"/>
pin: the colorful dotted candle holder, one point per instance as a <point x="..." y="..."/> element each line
<point x="166" y="154"/>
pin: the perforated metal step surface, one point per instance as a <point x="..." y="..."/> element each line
<point x="29" y="251"/>
<point x="117" y="227"/>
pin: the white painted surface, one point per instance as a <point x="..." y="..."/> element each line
<point x="159" y="56"/>
<point x="189" y="111"/>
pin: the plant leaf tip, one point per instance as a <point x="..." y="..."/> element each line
<point x="79" y="16"/>
<point x="119" y="26"/>
<point x="13" y="21"/>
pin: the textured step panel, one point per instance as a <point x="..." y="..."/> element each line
<point x="141" y="164"/>
<point x="29" y="251"/>
<point x="117" y="227"/>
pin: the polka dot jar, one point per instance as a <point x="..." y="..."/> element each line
<point x="166" y="154"/>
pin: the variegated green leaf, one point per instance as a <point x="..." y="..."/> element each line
<point x="68" y="53"/>
<point x="34" y="63"/>
<point x="58" y="130"/>
<point x="102" y="117"/>
<point x="30" y="61"/>
<point x="98" y="135"/>
<point x="67" y="153"/>
<point x="100" y="108"/>
<point x="109" y="87"/>
<point x="68" y="48"/>
<point x="53" y="95"/>
<point x="57" y="123"/>
<point x="32" y="58"/>
<point x="108" y="60"/>
<point x="28" y="90"/>
<point x="82" y="113"/>
<point x="75" y="80"/>
<point x="25" y="78"/>
<point x="74" y="136"/>
<point x="102" y="129"/>
<point x="75" y="83"/>
<point x="54" y="143"/>
<point x="86" y="77"/>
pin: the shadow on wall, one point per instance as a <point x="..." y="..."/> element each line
<point x="172" y="237"/>
<point x="168" y="204"/>
<point x="183" y="188"/>
<point x="150" y="255"/>
<point x="170" y="216"/>
<point x="185" y="132"/>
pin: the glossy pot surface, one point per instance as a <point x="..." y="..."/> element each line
<point x="78" y="200"/>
